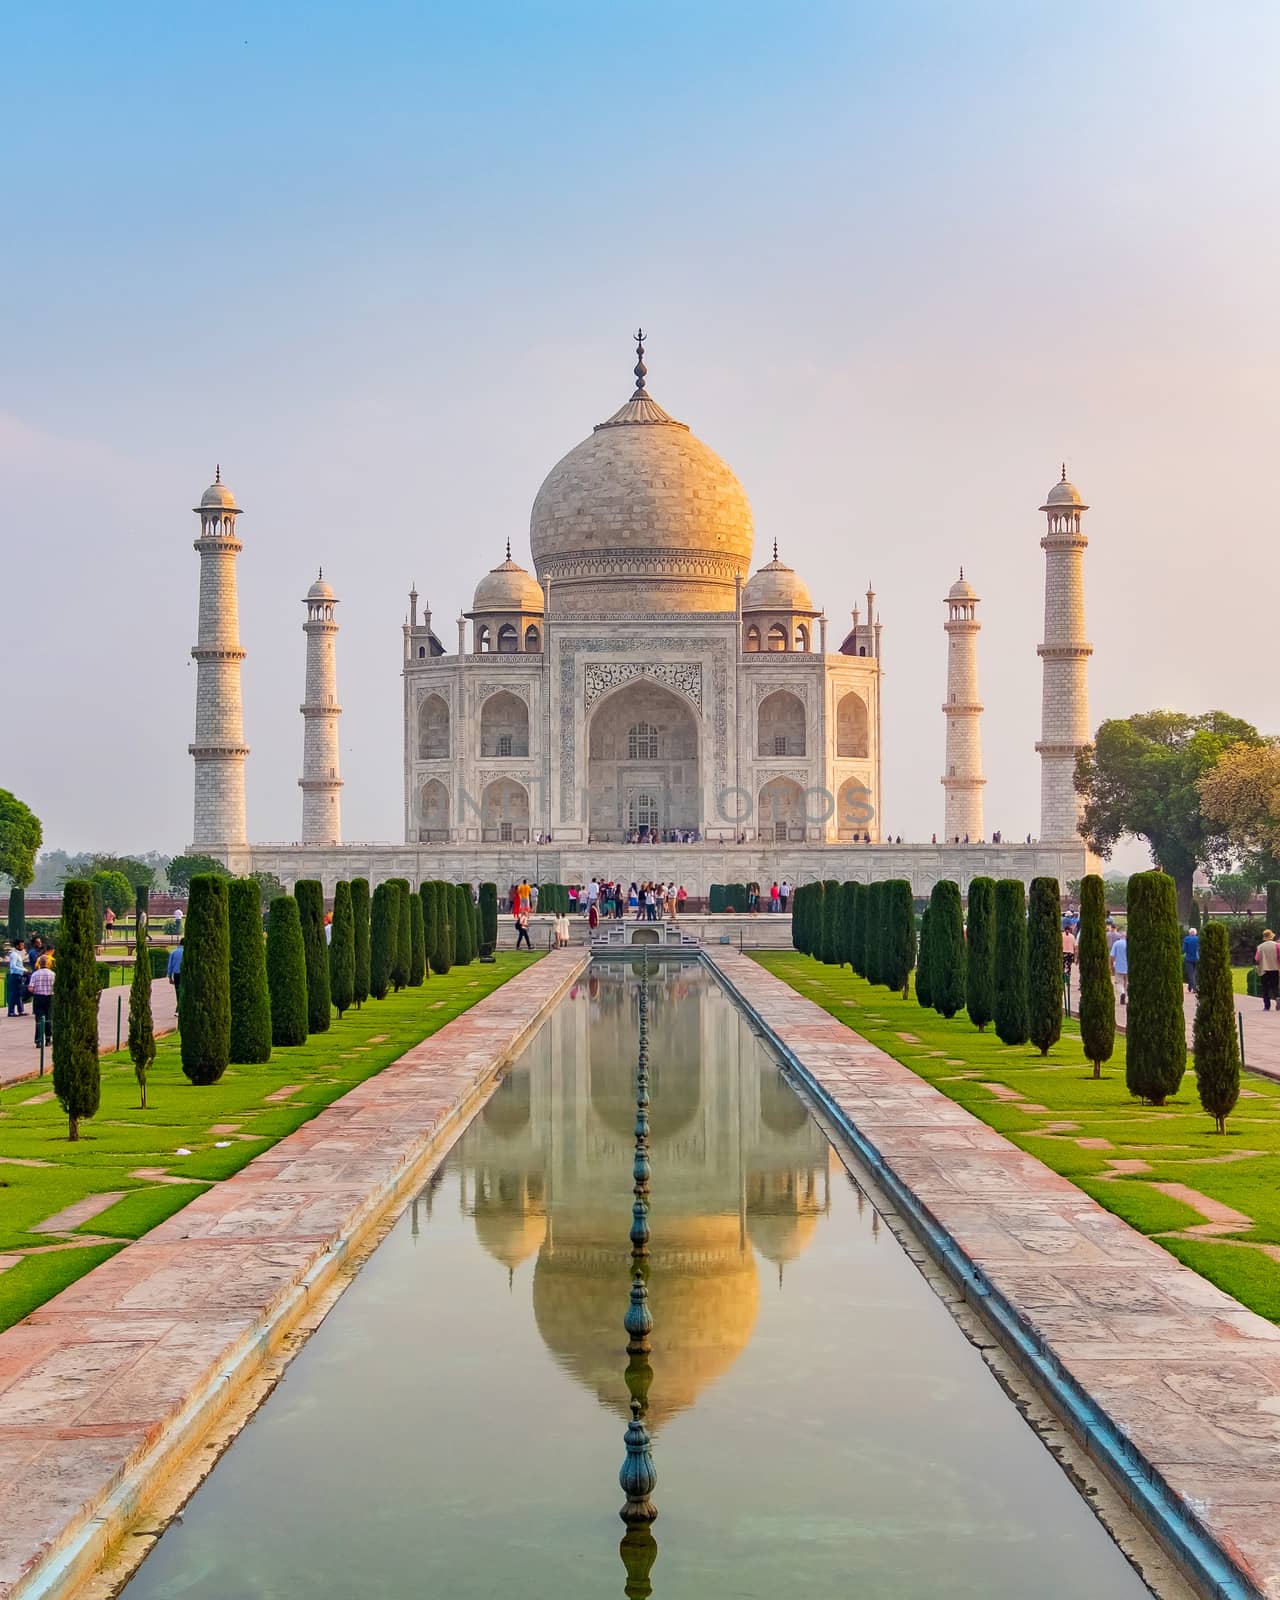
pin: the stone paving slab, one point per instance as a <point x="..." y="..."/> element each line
<point x="102" y="1385"/>
<point x="1186" y="1375"/>
<point x="19" y="1058"/>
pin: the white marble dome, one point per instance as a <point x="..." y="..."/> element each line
<point x="217" y="496"/>
<point x="962" y="589"/>
<point x="776" y="587"/>
<point x="1064" y="494"/>
<point x="320" y="590"/>
<point x="508" y="587"/>
<point x="641" y="517"/>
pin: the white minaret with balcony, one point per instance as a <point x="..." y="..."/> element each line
<point x="218" y="748"/>
<point x="1064" y="720"/>
<point x="320" y="780"/>
<point x="962" y="777"/>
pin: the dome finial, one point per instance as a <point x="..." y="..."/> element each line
<point x="962" y="572"/>
<point x="775" y="549"/>
<point x="320" y="573"/>
<point x="508" y="549"/>
<point x="1064" y="473"/>
<point x="217" y="472"/>
<point x="640" y="369"/>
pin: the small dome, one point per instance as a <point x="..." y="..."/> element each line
<point x="1063" y="494"/>
<point x="776" y="587"/>
<point x="508" y="588"/>
<point x="962" y="589"/>
<point x="320" y="590"/>
<point x="217" y="496"/>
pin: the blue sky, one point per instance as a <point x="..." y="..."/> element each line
<point x="382" y="262"/>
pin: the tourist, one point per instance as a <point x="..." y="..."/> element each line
<point x="328" y="927"/>
<point x="522" y="928"/>
<point x="173" y="971"/>
<point x="108" y="922"/>
<point x="177" y="923"/>
<point x="773" y="896"/>
<point x="633" y="898"/>
<point x="592" y="895"/>
<point x="784" y="894"/>
<point x="1191" y="958"/>
<point x="16" y="978"/>
<point x="1267" y="960"/>
<point x="533" y="897"/>
<point x="1120" y="966"/>
<point x="1113" y="933"/>
<point x="681" y="897"/>
<point x="40" y="987"/>
<point x="593" y="916"/>
<point x="1068" y="950"/>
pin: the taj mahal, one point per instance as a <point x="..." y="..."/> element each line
<point x="643" y="703"/>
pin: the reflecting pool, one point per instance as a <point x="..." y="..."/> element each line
<point x="820" y="1426"/>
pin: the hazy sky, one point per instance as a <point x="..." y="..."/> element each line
<point x="382" y="260"/>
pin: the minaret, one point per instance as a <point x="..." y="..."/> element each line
<point x="219" y="748"/>
<point x="321" y="805"/>
<point x="962" y="778"/>
<point x="1064" y="719"/>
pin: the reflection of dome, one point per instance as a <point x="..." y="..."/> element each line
<point x="781" y="1108"/>
<point x="704" y="1293"/>
<point x="776" y="587"/>
<point x="508" y="588"/>
<point x="675" y="1095"/>
<point x="510" y="1237"/>
<point x="781" y="1237"/>
<point x="507" y="1109"/>
<point x="641" y="515"/>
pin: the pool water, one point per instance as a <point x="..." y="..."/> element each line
<point x="820" y="1426"/>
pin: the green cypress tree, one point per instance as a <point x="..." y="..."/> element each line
<point x="442" y="958"/>
<point x="204" y="997"/>
<point x="899" y="934"/>
<point x="475" y="925"/>
<point x="382" y="920"/>
<point x="1011" y="962"/>
<point x="17" y="913"/>
<point x="76" y="1080"/>
<point x="1044" y="964"/>
<point x="403" y="949"/>
<point x="1155" y="1032"/>
<point x="813" y="921"/>
<point x="856" y="907"/>
<point x="848" y="899"/>
<point x="924" y="961"/>
<point x="980" y="978"/>
<point x="489" y="919"/>
<point x="1217" y="1057"/>
<point x="1093" y="962"/>
<point x="806" y="894"/>
<point x="342" y="949"/>
<point x="417" y="942"/>
<point x="871" y="933"/>
<point x="360" y="925"/>
<point x="286" y="972"/>
<point x="946" y="948"/>
<point x="309" y="894"/>
<point x="393" y="930"/>
<point x="142" y="1034"/>
<point x="250" y="1002"/>
<point x="430" y="904"/>
<point x="797" y="916"/>
<point x="831" y="901"/>
<point x="462" y="953"/>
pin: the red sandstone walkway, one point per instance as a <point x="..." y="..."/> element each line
<point x="1187" y="1374"/>
<point x="103" y="1381"/>
<point x="19" y="1057"/>
<point x="1261" y="1032"/>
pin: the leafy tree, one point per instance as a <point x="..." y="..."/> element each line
<point x="286" y="972"/>
<point x="1044" y="964"/>
<point x="250" y="1001"/>
<point x="309" y="894"/>
<point x="1142" y="776"/>
<point x="463" y="954"/>
<point x="1155" y="1034"/>
<point x="1093" y="961"/>
<point x="140" y="874"/>
<point x="17" y="912"/>
<point x="182" y="869"/>
<point x="360" y="923"/>
<point x="1117" y="893"/>
<point x="1236" y="888"/>
<point x="1241" y="794"/>
<point x="342" y="949"/>
<point x="76" y="1080"/>
<point x="142" y="1034"/>
<point x="980" y="978"/>
<point x="269" y="888"/>
<point x="489" y="917"/>
<point x="848" y="900"/>
<point x="1217" y="1057"/>
<point x="402" y="950"/>
<point x="1012" y="1024"/>
<point x="831" y="901"/>
<point x="899" y="934"/>
<point x="417" y="941"/>
<point x="204" y="998"/>
<point x="117" y="891"/>
<point x="20" y="837"/>
<point x="381" y="932"/>
<point x="440" y="904"/>
<point x="924" y="962"/>
<point x="946" y="948"/>
<point x="1273" y="907"/>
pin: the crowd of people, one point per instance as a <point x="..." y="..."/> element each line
<point x="29" y="975"/>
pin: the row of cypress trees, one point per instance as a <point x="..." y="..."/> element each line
<point x="870" y="926"/>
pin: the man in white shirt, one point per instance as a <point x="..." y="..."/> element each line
<point x="16" y="978"/>
<point x="1267" y="959"/>
<point x="784" y="893"/>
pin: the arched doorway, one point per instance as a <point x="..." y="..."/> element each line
<point x="854" y="810"/>
<point x="433" y="729"/>
<point x="504" y="725"/>
<point x="780" y="727"/>
<point x="781" y="810"/>
<point x="851" y="726"/>
<point x="433" y="811"/>
<point x="504" y="811"/>
<point x="642" y="763"/>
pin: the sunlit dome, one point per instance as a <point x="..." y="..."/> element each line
<point x="1063" y="494"/>
<point x="776" y="587"/>
<point x="508" y="587"/>
<point x="320" y="590"/>
<point x="962" y="589"/>
<point x="218" y="496"/>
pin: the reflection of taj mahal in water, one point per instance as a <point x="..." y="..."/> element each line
<point x="740" y="1173"/>
<point x="641" y="685"/>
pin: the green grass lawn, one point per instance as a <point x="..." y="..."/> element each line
<point x="41" y="1172"/>
<point x="1177" y="1141"/>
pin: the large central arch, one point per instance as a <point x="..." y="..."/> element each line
<point x="642" y="762"/>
